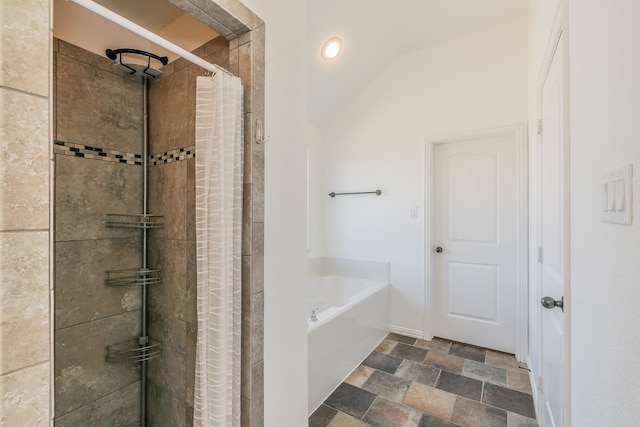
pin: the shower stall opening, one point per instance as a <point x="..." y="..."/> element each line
<point x="104" y="263"/>
<point x="125" y="286"/>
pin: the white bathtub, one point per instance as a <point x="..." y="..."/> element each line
<point x="353" y="317"/>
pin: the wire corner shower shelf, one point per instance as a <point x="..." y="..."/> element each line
<point x="142" y="221"/>
<point x="133" y="276"/>
<point x="134" y="350"/>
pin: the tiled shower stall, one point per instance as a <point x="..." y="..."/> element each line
<point x="96" y="134"/>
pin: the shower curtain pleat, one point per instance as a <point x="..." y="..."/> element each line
<point x="219" y="156"/>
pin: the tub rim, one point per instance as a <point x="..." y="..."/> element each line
<point x="325" y="316"/>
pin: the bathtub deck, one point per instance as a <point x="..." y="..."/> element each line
<point x="412" y="382"/>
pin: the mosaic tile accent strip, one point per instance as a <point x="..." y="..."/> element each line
<point x="173" y="155"/>
<point x="97" y="153"/>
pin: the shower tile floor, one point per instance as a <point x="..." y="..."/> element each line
<point x="408" y="382"/>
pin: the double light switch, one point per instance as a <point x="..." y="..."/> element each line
<point x="616" y="195"/>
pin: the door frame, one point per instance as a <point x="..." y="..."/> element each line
<point x="557" y="35"/>
<point x="519" y="132"/>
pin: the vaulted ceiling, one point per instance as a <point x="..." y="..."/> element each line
<point x="373" y="32"/>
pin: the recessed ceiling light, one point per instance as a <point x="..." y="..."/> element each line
<point x="331" y="48"/>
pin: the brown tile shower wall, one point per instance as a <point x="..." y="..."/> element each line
<point x="248" y="48"/>
<point x="172" y="305"/>
<point x="25" y="75"/>
<point x="97" y="108"/>
<point x="24" y="213"/>
<point x="172" y="194"/>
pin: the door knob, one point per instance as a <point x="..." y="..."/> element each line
<point x="549" y="303"/>
<point x="439" y="249"/>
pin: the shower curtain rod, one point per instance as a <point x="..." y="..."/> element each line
<point x="143" y="32"/>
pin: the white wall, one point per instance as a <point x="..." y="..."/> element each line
<point x="317" y="196"/>
<point x="605" y="289"/>
<point x="378" y="141"/>
<point x="285" y="347"/>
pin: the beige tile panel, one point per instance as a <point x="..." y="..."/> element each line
<point x="246" y="361"/>
<point x="257" y="343"/>
<point x="245" y="410"/>
<point x="24" y="43"/>
<point x="24" y="299"/>
<point x="233" y="58"/>
<point x="247" y="219"/>
<point x="25" y="397"/>
<point x="226" y="18"/>
<point x="257" y="309"/>
<point x="257" y="375"/>
<point x="235" y="9"/>
<point x="24" y="163"/>
<point x="257" y="186"/>
<point x="258" y="73"/>
<point x="257" y="267"/>
<point x="245" y="38"/>
<point x="246" y="380"/>
<point x="246" y="75"/>
<point x="252" y="344"/>
<point x="249" y="147"/>
<point x="253" y="394"/>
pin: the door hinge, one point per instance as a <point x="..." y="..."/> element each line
<point x="540" y="254"/>
<point x="540" y="384"/>
<point x="539" y="126"/>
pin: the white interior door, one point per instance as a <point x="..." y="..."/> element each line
<point x="552" y="227"/>
<point x="474" y="241"/>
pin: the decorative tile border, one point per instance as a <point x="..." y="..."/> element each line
<point x="173" y="155"/>
<point x="88" y="152"/>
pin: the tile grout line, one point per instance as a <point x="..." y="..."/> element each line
<point x="369" y="408"/>
<point x="438" y="377"/>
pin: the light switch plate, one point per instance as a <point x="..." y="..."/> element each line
<point x="616" y="193"/>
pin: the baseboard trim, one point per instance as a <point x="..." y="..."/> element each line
<point x="413" y="333"/>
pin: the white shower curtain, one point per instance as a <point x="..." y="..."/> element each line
<point x="219" y="158"/>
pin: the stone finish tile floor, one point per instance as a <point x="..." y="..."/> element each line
<point x="409" y="382"/>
